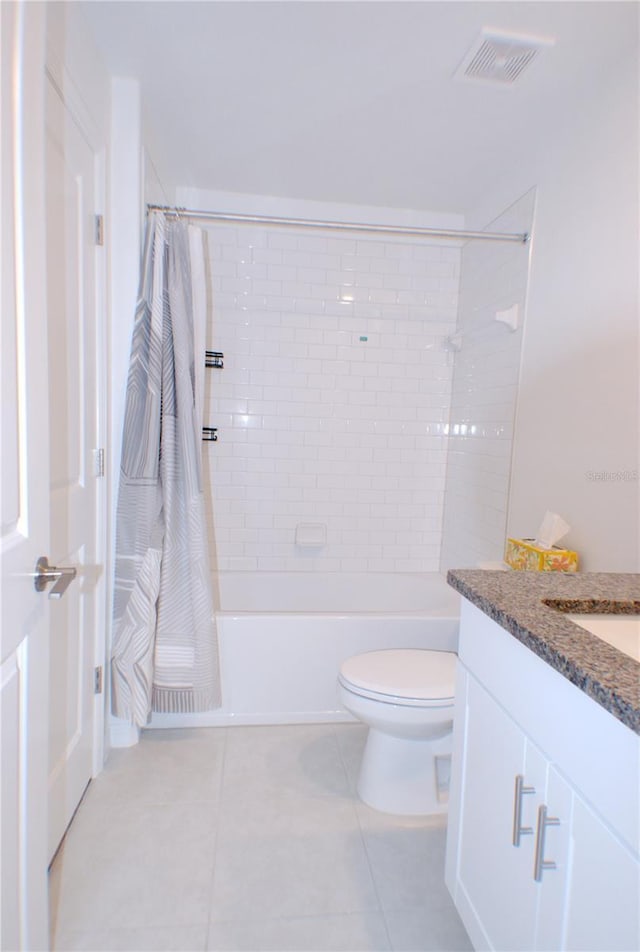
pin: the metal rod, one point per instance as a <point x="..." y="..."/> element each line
<point x="518" y="829"/>
<point x="406" y="230"/>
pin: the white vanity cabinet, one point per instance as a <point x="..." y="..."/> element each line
<point x="534" y="753"/>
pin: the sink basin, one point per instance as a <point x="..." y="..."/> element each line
<point x="621" y="631"/>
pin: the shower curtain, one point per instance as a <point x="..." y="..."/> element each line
<point x="165" y="653"/>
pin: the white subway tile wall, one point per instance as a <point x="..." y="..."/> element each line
<point x="493" y="277"/>
<point x="333" y="403"/>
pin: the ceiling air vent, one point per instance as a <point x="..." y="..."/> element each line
<point x="500" y="57"/>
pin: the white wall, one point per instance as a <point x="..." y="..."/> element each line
<point x="333" y="402"/>
<point x="77" y="69"/>
<point x="134" y="181"/>
<point x="578" y="406"/>
<point x="493" y="277"/>
<point x="157" y="187"/>
<point x="578" y="402"/>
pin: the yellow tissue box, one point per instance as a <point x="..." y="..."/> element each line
<point x="524" y="555"/>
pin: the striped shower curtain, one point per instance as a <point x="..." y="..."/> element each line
<point x="164" y="648"/>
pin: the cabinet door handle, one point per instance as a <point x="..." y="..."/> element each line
<point x="540" y="863"/>
<point x="518" y="829"/>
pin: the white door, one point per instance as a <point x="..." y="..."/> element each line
<point x="24" y="462"/>
<point x="72" y="422"/>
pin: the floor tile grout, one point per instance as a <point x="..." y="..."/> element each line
<point x="215" y="837"/>
<point x="364" y="844"/>
<point x="312" y="770"/>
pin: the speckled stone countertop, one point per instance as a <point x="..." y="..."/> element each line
<point x="516" y="600"/>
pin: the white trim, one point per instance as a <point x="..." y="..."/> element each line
<point x="102" y="484"/>
<point x="225" y="719"/>
<point x="123" y="240"/>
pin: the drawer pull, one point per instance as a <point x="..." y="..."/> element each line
<point x="540" y="863"/>
<point x="518" y="829"/>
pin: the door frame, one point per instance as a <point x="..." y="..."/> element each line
<point x="100" y="748"/>
<point x="63" y="84"/>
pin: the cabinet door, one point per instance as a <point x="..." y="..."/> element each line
<point x="495" y="888"/>
<point x="603" y="892"/>
<point x="586" y="897"/>
<point x="555" y="849"/>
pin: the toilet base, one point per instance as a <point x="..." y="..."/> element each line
<point x="408" y="777"/>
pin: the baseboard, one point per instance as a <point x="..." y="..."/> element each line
<point x="226" y="719"/>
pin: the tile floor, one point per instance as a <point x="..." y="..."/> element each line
<point x="244" y="839"/>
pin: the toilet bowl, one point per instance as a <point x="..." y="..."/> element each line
<point x="406" y="698"/>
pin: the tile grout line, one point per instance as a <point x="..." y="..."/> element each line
<point x="364" y="844"/>
<point x="215" y="837"/>
<point x="110" y="803"/>
<point x="346" y="744"/>
<point x="383" y="910"/>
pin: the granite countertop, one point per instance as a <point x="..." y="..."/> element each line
<point x="516" y="600"/>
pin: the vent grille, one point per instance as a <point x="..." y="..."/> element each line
<point x="499" y="57"/>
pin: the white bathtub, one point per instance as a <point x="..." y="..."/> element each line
<point x="284" y="635"/>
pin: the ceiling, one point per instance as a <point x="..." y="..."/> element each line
<point x="353" y="101"/>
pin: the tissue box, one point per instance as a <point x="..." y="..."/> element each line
<point x="523" y="554"/>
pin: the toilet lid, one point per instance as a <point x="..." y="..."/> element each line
<point x="403" y="673"/>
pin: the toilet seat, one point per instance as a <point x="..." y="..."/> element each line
<point x="406" y="676"/>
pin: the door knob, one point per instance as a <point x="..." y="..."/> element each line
<point x="61" y="577"/>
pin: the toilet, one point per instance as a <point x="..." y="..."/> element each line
<point x="406" y="697"/>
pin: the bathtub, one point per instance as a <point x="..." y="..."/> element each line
<point x="283" y="636"/>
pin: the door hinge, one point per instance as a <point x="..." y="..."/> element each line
<point x="97" y="680"/>
<point x="99" y="229"/>
<point x="98" y="462"/>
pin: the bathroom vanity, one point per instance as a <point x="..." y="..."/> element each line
<point x="544" y="809"/>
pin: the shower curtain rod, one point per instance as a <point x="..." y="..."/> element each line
<point x="407" y="230"/>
